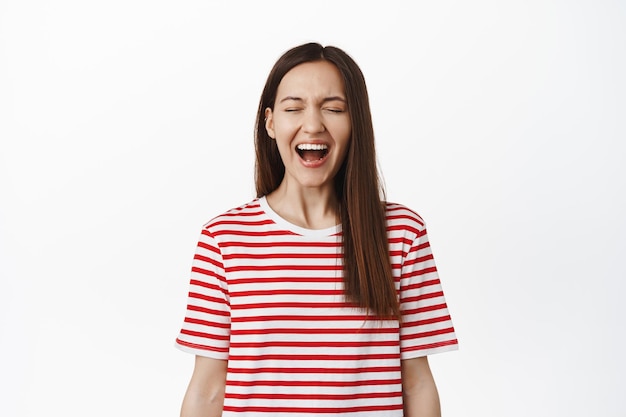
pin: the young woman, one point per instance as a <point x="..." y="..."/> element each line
<point x="316" y="298"/>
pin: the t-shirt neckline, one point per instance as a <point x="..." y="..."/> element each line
<point x="276" y="218"/>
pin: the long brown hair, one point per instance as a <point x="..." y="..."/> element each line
<point x="368" y="280"/>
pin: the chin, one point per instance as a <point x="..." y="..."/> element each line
<point x="315" y="183"/>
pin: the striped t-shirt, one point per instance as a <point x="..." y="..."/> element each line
<point x="267" y="296"/>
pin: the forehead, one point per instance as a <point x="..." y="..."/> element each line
<point x="311" y="79"/>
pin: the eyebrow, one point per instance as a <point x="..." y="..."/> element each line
<point x="325" y="100"/>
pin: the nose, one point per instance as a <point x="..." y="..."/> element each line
<point x="313" y="122"/>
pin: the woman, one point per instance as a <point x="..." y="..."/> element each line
<point x="316" y="298"/>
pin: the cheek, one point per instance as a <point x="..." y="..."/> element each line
<point x="340" y="131"/>
<point x="285" y="131"/>
<point x="344" y="136"/>
<point x="343" y="146"/>
<point x="346" y="129"/>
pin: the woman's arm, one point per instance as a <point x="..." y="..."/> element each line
<point x="419" y="391"/>
<point x="205" y="394"/>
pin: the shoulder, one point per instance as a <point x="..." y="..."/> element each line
<point x="241" y="214"/>
<point x="399" y="216"/>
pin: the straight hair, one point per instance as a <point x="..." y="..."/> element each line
<point x="367" y="276"/>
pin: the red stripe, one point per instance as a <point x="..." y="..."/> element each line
<point x="207" y="323"/>
<point x="316" y="370"/>
<point x="284" y="267"/>
<point x="240" y="211"/>
<point x="282" y="256"/>
<point x="420" y="272"/>
<point x="208" y="260"/>
<point x="192" y="307"/>
<point x="208" y="336"/>
<point x="313" y="344"/>
<point x="285" y="292"/>
<point x="207" y="298"/>
<point x="422" y="297"/>
<point x="291" y="305"/>
<point x="358" y="330"/>
<point x="422" y="284"/>
<point x="207" y="272"/>
<point x="432" y="345"/>
<point x="319" y="397"/>
<point x="419" y="260"/>
<point x="208" y="247"/>
<point x="399" y="240"/>
<point x="280" y="244"/>
<point x="403" y="216"/>
<point x="427" y="334"/>
<point x="251" y="223"/>
<point x="420" y="247"/>
<point x="392" y="207"/>
<point x="404" y="228"/>
<point x="207" y="285"/>
<point x="435" y="307"/>
<point x="203" y="347"/>
<point x="328" y="358"/>
<point x="249" y="233"/>
<point x="255" y="280"/>
<point x="290" y="383"/>
<point x="426" y="321"/>
<point x="356" y="317"/>
<point x="314" y="410"/>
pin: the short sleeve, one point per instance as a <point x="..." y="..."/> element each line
<point x="206" y="328"/>
<point x="426" y="326"/>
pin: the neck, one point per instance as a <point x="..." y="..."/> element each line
<point x="311" y="208"/>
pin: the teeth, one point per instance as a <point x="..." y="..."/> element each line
<point x="312" y="147"/>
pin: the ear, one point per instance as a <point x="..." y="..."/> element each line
<point x="269" y="123"/>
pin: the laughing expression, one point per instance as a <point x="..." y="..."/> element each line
<point x="311" y="124"/>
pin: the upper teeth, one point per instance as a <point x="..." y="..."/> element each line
<point x="312" y="147"/>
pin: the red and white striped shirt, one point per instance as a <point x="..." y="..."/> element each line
<point x="267" y="296"/>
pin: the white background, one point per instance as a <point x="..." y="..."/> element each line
<point x="125" y="125"/>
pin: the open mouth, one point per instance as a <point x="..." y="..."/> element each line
<point x="312" y="151"/>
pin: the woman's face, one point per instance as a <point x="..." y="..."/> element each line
<point x="311" y="124"/>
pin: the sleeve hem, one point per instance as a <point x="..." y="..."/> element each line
<point x="426" y="352"/>
<point x="201" y="352"/>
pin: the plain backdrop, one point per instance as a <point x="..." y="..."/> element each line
<point x="125" y="125"/>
